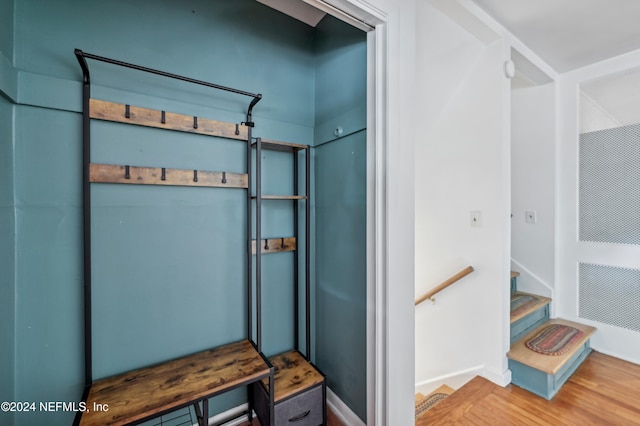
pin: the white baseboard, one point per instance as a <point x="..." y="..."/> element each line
<point x="539" y="281"/>
<point x="616" y="355"/>
<point x="500" y="378"/>
<point x="230" y="413"/>
<point x="473" y="370"/>
<point x="342" y="411"/>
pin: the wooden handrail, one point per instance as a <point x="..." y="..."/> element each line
<point x="446" y="283"/>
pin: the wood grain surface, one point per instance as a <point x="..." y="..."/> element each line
<point x="292" y="374"/>
<point x="148" y="391"/>
<point x="111" y="111"/>
<point x="112" y="173"/>
<point x="275" y="245"/>
<point x="547" y="363"/>
<point x="603" y="391"/>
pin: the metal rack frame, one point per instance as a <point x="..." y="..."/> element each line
<point x="86" y="205"/>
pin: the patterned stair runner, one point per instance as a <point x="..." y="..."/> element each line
<point x="425" y="403"/>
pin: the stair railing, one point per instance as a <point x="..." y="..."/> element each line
<point x="446" y="283"/>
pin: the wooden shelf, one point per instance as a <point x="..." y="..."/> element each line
<point x="274" y="145"/>
<point x="282" y="197"/>
<point x="275" y="245"/>
<point x="546" y="363"/>
<point x="111" y="111"/>
<point x="151" y="391"/>
<point x="293" y="374"/>
<point x="111" y="173"/>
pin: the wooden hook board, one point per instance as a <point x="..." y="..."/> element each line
<point x="122" y="113"/>
<point x="275" y="245"/>
<point x="111" y="173"/>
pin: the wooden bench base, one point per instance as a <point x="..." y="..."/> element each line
<point x="299" y="392"/>
<point x="152" y="391"/>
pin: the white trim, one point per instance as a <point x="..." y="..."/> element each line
<point x="500" y="378"/>
<point x="473" y="370"/>
<point x="342" y="411"/>
<point x="340" y="14"/>
<point x="377" y="284"/>
<point x="534" y="276"/>
<point x="616" y="355"/>
<point x="377" y="205"/>
<point x="230" y="413"/>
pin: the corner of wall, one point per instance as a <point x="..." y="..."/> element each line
<point x="7" y="260"/>
<point x="500" y="378"/>
<point x="8" y="79"/>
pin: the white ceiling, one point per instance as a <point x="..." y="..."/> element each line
<point x="570" y="34"/>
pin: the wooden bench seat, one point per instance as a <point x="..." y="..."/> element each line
<point x="152" y="391"/>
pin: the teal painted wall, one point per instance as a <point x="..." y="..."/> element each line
<point x="8" y="75"/>
<point x="341" y="80"/>
<point x="6" y="28"/>
<point x="340" y="211"/>
<point x="7" y="260"/>
<point x="168" y="262"/>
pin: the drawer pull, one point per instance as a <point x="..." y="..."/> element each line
<point x="300" y="417"/>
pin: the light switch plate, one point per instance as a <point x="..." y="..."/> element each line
<point x="530" y="216"/>
<point x="476" y="219"/>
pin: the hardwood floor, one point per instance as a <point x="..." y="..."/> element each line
<point x="603" y="391"/>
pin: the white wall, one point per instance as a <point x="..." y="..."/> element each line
<point x="533" y="187"/>
<point x="616" y="341"/>
<point x="461" y="165"/>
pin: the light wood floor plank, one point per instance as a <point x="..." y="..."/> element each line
<point x="603" y="391"/>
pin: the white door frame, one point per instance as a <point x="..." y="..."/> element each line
<point x="364" y="16"/>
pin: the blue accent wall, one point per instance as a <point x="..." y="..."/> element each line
<point x="169" y="263"/>
<point x="168" y="266"/>
<point x="7" y="260"/>
<point x="6" y="28"/>
<point x="340" y="211"/>
<point x="8" y="89"/>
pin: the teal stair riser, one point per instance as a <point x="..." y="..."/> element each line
<point x="529" y="323"/>
<point x="543" y="384"/>
<point x="514" y="284"/>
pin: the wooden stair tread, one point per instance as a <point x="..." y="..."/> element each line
<point x="149" y="391"/>
<point x="548" y="363"/>
<point x="452" y="409"/>
<point x="293" y="374"/>
<point x="422" y="399"/>
<point x="515" y="274"/>
<point x="541" y="301"/>
<point x="443" y="389"/>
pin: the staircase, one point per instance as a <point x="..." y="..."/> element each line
<point x="425" y="403"/>
<point x="544" y="352"/>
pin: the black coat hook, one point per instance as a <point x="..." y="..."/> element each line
<point x="195" y="122"/>
<point x="163" y="119"/>
<point x="195" y="175"/>
<point x="127" y="175"/>
<point x="282" y="243"/>
<point x="224" y="177"/>
<point x="164" y="174"/>
<point x="266" y="244"/>
<point x="127" y="111"/>
<point x="237" y="129"/>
